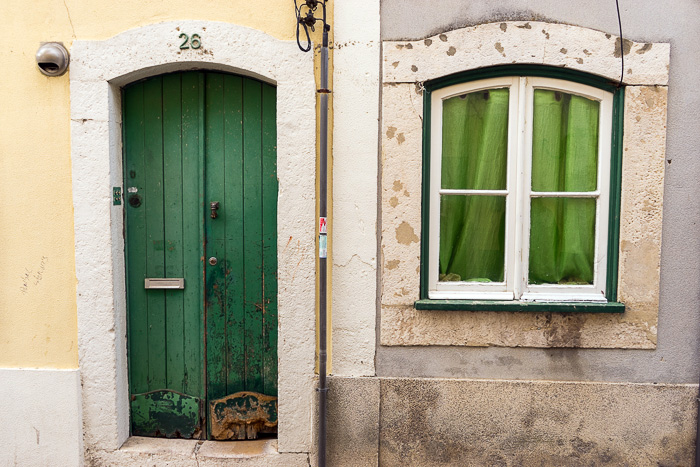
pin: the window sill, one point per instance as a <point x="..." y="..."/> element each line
<point x="537" y="307"/>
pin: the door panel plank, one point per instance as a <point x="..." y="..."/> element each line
<point x="193" y="246"/>
<point x="173" y="228"/>
<point x="253" y="306"/>
<point x="153" y="204"/>
<point x="135" y="178"/>
<point x="269" y="239"/>
<point x="216" y="235"/>
<point x="233" y="152"/>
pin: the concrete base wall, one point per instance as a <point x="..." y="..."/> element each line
<point x="40" y="418"/>
<point x="402" y="421"/>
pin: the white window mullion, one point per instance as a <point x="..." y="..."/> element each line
<point x="512" y="224"/>
<point x="521" y="192"/>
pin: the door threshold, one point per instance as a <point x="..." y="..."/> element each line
<point x="190" y="448"/>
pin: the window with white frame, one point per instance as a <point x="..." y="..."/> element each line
<point x="519" y="190"/>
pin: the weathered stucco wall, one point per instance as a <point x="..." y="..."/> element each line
<point x="40" y="418"/>
<point x="675" y="336"/>
<point x="431" y="422"/>
<point x="38" y="298"/>
<point x="356" y="57"/>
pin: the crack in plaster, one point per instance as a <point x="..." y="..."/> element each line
<point x="196" y="451"/>
<point x="355" y="255"/>
<point x="69" y="18"/>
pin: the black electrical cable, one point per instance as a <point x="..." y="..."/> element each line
<point x="622" y="45"/>
<point x="300" y="23"/>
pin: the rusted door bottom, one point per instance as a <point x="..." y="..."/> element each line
<point x="243" y="415"/>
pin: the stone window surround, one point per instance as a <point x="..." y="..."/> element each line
<point x="405" y="66"/>
<point x="98" y="70"/>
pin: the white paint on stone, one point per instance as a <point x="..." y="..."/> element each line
<point x="530" y="42"/>
<point x="356" y="59"/>
<point x="98" y="70"/>
<point x="40" y="417"/>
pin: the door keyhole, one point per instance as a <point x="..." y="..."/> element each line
<point x="213" y="261"/>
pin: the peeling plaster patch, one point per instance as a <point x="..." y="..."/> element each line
<point x="400" y="138"/>
<point x="409" y="46"/>
<point x="394" y="201"/>
<point x="504" y="27"/>
<point x="390" y="132"/>
<point x="651" y="96"/>
<point x="398" y="186"/>
<point x="443" y="37"/>
<point x="500" y="48"/>
<point x="579" y="61"/>
<point x="451" y="51"/>
<point x="525" y="26"/>
<point x="646" y="47"/>
<point x="476" y="50"/>
<point x="405" y="234"/>
<point x="395" y="64"/>
<point x="563" y="50"/>
<point x="414" y="68"/>
<point x="428" y="42"/>
<point x="393" y="264"/>
<point x="626" y="47"/>
<point x="406" y="193"/>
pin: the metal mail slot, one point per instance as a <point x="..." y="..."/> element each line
<point x="164" y="283"/>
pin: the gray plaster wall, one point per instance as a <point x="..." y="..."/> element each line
<point x="426" y="422"/>
<point x="676" y="358"/>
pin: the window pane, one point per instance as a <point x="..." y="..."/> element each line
<point x="564" y="142"/>
<point x="562" y="240"/>
<point x="472" y="238"/>
<point x="475" y="140"/>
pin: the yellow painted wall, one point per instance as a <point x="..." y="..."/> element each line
<point x="38" y="320"/>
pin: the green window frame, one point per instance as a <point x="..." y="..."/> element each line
<point x="478" y="296"/>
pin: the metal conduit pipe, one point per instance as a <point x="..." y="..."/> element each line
<point x="323" y="295"/>
<point x="307" y="21"/>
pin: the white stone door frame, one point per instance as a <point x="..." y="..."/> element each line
<point x="98" y="71"/>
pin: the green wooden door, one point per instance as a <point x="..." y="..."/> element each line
<point x="201" y="206"/>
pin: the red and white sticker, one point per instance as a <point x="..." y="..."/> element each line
<point x="322" y="225"/>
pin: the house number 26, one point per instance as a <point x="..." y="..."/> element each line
<point x="194" y="41"/>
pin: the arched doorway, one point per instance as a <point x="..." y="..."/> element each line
<point x="201" y="255"/>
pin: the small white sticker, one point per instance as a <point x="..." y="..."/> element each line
<point x="322" y="225"/>
<point x="322" y="246"/>
<point x="132" y="189"/>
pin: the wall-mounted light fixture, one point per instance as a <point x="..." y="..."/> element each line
<point x="52" y="59"/>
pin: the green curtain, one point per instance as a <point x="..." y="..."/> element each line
<point x="474" y="156"/>
<point x="564" y="158"/>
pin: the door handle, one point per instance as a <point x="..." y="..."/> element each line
<point x="214" y="205"/>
